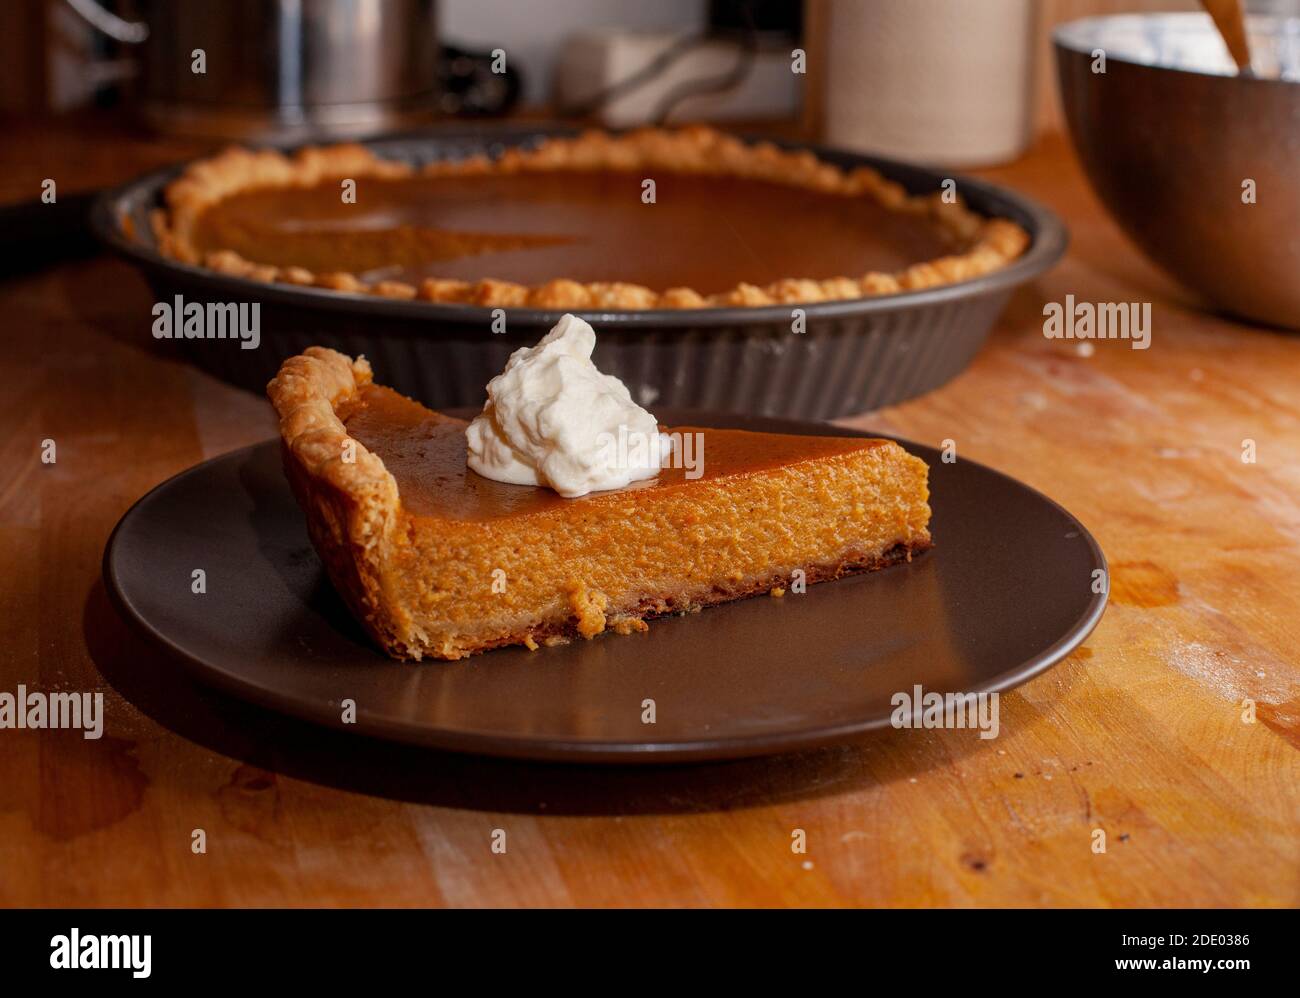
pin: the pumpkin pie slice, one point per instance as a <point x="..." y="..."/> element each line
<point x="437" y="561"/>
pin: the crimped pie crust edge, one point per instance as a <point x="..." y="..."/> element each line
<point x="349" y="497"/>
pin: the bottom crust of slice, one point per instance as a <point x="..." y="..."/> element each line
<point x="587" y="621"/>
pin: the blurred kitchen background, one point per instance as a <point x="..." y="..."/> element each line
<point x="884" y="76"/>
<point x="98" y="92"/>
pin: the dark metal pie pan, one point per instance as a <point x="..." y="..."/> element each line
<point x="1006" y="593"/>
<point x="854" y="356"/>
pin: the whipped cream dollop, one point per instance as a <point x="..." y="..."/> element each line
<point x="553" y="419"/>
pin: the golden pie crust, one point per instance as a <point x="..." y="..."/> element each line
<point x="983" y="245"/>
<point x="416" y="549"/>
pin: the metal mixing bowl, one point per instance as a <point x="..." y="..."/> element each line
<point x="1171" y="138"/>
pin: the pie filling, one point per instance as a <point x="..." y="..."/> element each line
<point x="574" y="224"/>
<point x="768" y="505"/>
<point x="709" y="233"/>
<point x="425" y="453"/>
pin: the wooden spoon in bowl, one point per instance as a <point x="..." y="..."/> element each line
<point x="1230" y="19"/>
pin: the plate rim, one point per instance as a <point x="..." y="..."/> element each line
<point x="550" y="749"/>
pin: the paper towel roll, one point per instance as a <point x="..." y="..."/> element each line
<point x="946" y="82"/>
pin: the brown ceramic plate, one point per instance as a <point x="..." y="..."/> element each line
<point x="1005" y="594"/>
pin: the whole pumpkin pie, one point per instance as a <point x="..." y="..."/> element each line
<point x="649" y="219"/>
<point x="437" y="560"/>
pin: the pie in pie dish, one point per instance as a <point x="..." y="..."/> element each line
<point x="649" y="219"/>
<point x="438" y="561"/>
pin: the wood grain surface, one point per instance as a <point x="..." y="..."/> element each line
<point x="1140" y="734"/>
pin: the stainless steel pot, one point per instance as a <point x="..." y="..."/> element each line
<point x="283" y="69"/>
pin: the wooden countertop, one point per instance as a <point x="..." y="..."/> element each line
<point x="1140" y="733"/>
